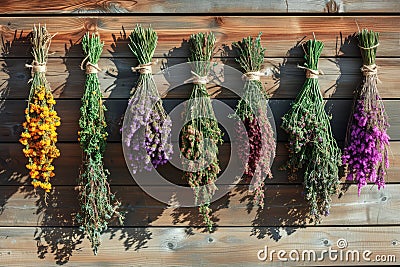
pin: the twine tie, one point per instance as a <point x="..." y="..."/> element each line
<point x="310" y="73"/>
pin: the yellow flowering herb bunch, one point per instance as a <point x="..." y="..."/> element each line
<point x="41" y="121"/>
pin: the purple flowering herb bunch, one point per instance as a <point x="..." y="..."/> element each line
<point x="367" y="143"/>
<point x="201" y="135"/>
<point x="148" y="134"/>
<point x="256" y="142"/>
<point x="312" y="147"/>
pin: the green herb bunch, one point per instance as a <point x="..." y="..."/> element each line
<point x="256" y="143"/>
<point x="98" y="204"/>
<point x="201" y="135"/>
<point x="311" y="143"/>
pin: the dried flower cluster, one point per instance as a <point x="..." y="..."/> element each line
<point x="148" y="131"/>
<point x="256" y="140"/>
<point x="311" y="143"/>
<point x="98" y="204"/>
<point x="39" y="135"/>
<point x="366" y="150"/>
<point x="201" y="135"/>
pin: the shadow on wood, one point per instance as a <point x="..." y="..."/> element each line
<point x="174" y="73"/>
<point x="60" y="241"/>
<point x="347" y="47"/>
<point x="72" y="68"/>
<point x="192" y="217"/>
<point x="295" y="214"/>
<point x="16" y="70"/>
<point x="137" y="238"/>
<point x="11" y="171"/>
<point x="284" y="72"/>
<point x="118" y="48"/>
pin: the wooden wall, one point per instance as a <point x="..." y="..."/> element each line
<point x="154" y="234"/>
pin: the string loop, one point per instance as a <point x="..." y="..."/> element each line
<point x="253" y="75"/>
<point x="89" y="66"/>
<point x="368" y="48"/>
<point x="310" y="73"/>
<point x="197" y="79"/>
<point x="144" y="68"/>
<point x="37" y="67"/>
<point x="369" y="69"/>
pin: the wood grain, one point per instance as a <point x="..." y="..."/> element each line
<point x="32" y="233"/>
<point x="281" y="33"/>
<point x="191" y="6"/>
<point x="13" y="172"/>
<point x="68" y="110"/>
<point x="342" y="77"/>
<point x="231" y="246"/>
<point x="284" y="206"/>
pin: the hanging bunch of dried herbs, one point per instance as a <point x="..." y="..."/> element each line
<point x="39" y="135"/>
<point x="145" y="115"/>
<point x="252" y="111"/>
<point x="98" y="204"/>
<point x="201" y="135"/>
<point x="367" y="143"/>
<point x="311" y="143"/>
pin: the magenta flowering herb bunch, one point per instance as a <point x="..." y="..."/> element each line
<point x="312" y="147"/>
<point x="252" y="111"/>
<point x="149" y="128"/>
<point x="201" y="135"/>
<point x="366" y="151"/>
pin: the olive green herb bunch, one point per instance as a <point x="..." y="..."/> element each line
<point x="201" y="135"/>
<point x="312" y="147"/>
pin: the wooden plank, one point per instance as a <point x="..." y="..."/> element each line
<point x="284" y="206"/>
<point x="187" y="6"/>
<point x="342" y="76"/>
<point x="182" y="246"/>
<point x="13" y="172"/>
<point x="281" y="33"/>
<point x="68" y="110"/>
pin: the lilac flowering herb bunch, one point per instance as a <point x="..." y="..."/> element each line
<point x="312" y="147"/>
<point x="367" y="143"/>
<point x="148" y="135"/>
<point x="252" y="111"/>
<point x="200" y="135"/>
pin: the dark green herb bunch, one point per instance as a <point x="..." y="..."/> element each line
<point x="312" y="147"/>
<point x="201" y="135"/>
<point x="256" y="144"/>
<point x="98" y="204"/>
